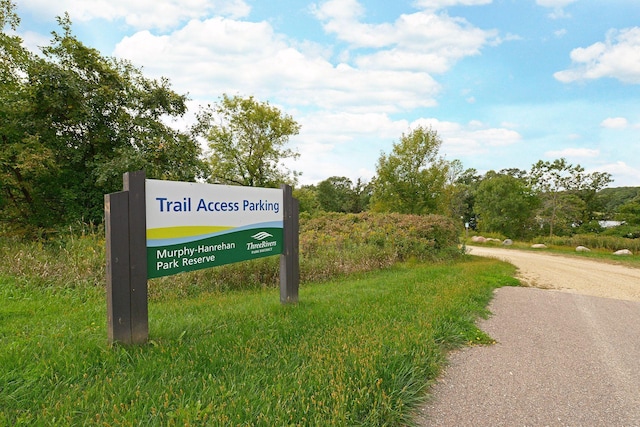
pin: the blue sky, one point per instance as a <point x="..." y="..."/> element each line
<point x="504" y="82"/>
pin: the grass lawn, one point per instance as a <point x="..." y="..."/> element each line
<point x="357" y="351"/>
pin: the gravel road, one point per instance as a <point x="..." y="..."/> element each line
<point x="570" y="274"/>
<point x="566" y="355"/>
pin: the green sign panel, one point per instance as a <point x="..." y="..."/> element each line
<point x="191" y="226"/>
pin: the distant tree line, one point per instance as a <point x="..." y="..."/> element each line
<point x="73" y="121"/>
<point x="552" y="198"/>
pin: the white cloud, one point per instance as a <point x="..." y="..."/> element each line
<point x="344" y="108"/>
<point x="441" y="4"/>
<point x="554" y="3"/>
<point x="571" y="153"/>
<point x="343" y="144"/>
<point x="208" y="58"/>
<point x="615" y="123"/>
<point x="353" y="126"/>
<point x="34" y="41"/>
<point x="472" y="139"/>
<point x="623" y="174"/>
<point x="617" y="57"/>
<point x="557" y="6"/>
<point x="139" y="14"/>
<point x="560" y="33"/>
<point x="420" y="41"/>
<point x="334" y="143"/>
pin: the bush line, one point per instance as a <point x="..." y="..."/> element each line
<point x="331" y="245"/>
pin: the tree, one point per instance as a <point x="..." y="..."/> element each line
<point x="506" y="205"/>
<point x="308" y="199"/>
<point x="362" y="196"/>
<point x="612" y="198"/>
<point x="592" y="184"/>
<point x="630" y="212"/>
<point x="339" y="194"/>
<point x="248" y="141"/>
<point x="463" y="201"/>
<point x="567" y="193"/>
<point x="412" y="178"/>
<point x="73" y="122"/>
<point x="8" y="15"/>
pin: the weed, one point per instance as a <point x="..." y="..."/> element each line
<point x="356" y="351"/>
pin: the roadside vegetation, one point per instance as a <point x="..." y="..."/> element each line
<point x="360" y="348"/>
<point x="331" y="246"/>
<point x="600" y="248"/>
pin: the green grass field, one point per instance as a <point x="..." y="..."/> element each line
<point x="360" y="350"/>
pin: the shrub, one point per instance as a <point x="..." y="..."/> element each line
<point x="335" y="243"/>
<point x="330" y="245"/>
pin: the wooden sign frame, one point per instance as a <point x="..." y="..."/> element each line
<point x="126" y="259"/>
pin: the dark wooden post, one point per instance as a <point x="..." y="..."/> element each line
<point x="289" y="260"/>
<point x="126" y="245"/>
<point x="116" y="210"/>
<point x="134" y="183"/>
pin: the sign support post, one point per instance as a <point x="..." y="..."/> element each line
<point x="134" y="183"/>
<point x="116" y="208"/>
<point x="290" y="259"/>
<point x="125" y="233"/>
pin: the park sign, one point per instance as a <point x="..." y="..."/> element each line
<point x="158" y="228"/>
<point x="192" y="226"/>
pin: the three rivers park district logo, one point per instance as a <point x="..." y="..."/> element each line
<point x="215" y="250"/>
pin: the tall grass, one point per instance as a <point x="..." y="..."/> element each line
<point x="355" y="351"/>
<point x="72" y="259"/>
<point x="359" y="349"/>
<point x="592" y="241"/>
<point x="330" y="246"/>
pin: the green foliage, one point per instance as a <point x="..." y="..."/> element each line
<point x="555" y="198"/>
<point x="339" y="194"/>
<point x="412" y="179"/>
<point x="612" y="198"/>
<point x="591" y="227"/>
<point x="330" y="245"/>
<point x="560" y="216"/>
<point x="463" y="202"/>
<point x="307" y="197"/>
<point x="336" y="244"/>
<point x="568" y="194"/>
<point x="506" y="205"/>
<point x="335" y="194"/>
<point x="628" y="231"/>
<point x="630" y="212"/>
<point x="593" y="241"/>
<point x="248" y="142"/>
<point x="358" y="351"/>
<point x="72" y="122"/>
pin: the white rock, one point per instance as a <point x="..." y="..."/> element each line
<point x="507" y="242"/>
<point x="478" y="239"/>
<point x="623" y="252"/>
<point x="583" y="249"/>
<point x="539" y="246"/>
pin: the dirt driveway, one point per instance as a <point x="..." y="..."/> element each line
<point x="566" y="355"/>
<point x="570" y="274"/>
